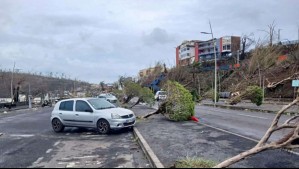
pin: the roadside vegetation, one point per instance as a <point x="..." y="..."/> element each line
<point x="194" y="163"/>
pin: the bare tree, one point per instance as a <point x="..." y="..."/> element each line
<point x="289" y="141"/>
<point x="246" y="41"/>
<point x="271" y="32"/>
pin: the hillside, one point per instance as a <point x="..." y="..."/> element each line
<point x="38" y="84"/>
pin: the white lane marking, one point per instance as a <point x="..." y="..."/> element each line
<point x="77" y="158"/>
<point x="71" y="165"/>
<point x="56" y="144"/>
<point x="253" y="116"/>
<point x="236" y="114"/>
<point x="254" y="140"/>
<point x="49" y="151"/>
<point x="38" y="160"/>
<point x="21" y="135"/>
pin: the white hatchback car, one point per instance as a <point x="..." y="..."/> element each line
<point x="91" y="113"/>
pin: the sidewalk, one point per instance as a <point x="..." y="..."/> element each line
<point x="172" y="141"/>
<point x="268" y="107"/>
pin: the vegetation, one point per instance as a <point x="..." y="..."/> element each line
<point x="194" y="163"/>
<point x="179" y="105"/>
<point x="253" y="93"/>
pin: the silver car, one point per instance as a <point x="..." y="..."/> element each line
<point x="91" y="113"/>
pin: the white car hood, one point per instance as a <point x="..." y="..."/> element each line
<point x="119" y="111"/>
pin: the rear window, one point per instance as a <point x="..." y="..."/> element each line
<point x="162" y="93"/>
<point x="66" y="106"/>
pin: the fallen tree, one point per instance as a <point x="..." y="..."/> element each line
<point x="288" y="141"/>
<point x="253" y="93"/>
<point x="143" y="94"/>
<point x="272" y="85"/>
<point x="178" y="106"/>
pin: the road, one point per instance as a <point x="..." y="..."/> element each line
<point x="27" y="140"/>
<point x="246" y="123"/>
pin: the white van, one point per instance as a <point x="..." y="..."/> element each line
<point x="160" y="95"/>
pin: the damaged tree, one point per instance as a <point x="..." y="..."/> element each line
<point x="289" y="141"/>
<point x="272" y="85"/>
<point x="142" y="93"/>
<point x="253" y="93"/>
<point x="178" y="106"/>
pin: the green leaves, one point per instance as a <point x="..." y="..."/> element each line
<point x="179" y="105"/>
<point x="135" y="90"/>
<point x="255" y="95"/>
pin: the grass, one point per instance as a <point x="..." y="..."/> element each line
<point x="194" y="163"/>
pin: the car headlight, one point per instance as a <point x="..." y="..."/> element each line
<point x="115" y="116"/>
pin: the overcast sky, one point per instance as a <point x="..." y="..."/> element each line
<point x="98" y="40"/>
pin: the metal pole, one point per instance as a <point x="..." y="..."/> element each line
<point x="215" y="94"/>
<point x="263" y="89"/>
<point x="29" y="98"/>
<point x="11" y="82"/>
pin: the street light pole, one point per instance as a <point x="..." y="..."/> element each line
<point x="215" y="91"/>
<point x="215" y="94"/>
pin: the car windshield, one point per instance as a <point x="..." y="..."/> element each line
<point x="162" y="93"/>
<point x="99" y="104"/>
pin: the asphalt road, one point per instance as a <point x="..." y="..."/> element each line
<point x="246" y="123"/>
<point x="27" y="140"/>
<point x="172" y="141"/>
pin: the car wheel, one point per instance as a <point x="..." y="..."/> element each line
<point x="103" y="126"/>
<point x="57" y="126"/>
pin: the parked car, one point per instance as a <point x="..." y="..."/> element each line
<point x="109" y="97"/>
<point x="91" y="113"/>
<point x="160" y="95"/>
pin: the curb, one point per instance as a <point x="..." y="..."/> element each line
<point x="147" y="150"/>
<point x="249" y="109"/>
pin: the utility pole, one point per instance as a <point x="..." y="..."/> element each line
<point x="215" y="94"/>
<point x="11" y="82"/>
<point x="29" y="98"/>
<point x="215" y="55"/>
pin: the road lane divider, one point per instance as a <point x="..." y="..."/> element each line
<point x="147" y="150"/>
<point x="38" y="160"/>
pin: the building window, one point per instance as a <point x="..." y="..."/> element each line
<point x="228" y="47"/>
<point x="188" y="48"/>
<point x="188" y="54"/>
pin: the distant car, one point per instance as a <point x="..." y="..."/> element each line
<point x="160" y="95"/>
<point x="91" y="113"/>
<point x="109" y="97"/>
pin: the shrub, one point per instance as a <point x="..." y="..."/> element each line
<point x="179" y="105"/>
<point x="255" y="95"/>
<point x="194" y="163"/>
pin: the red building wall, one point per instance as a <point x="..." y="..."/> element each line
<point x="177" y="56"/>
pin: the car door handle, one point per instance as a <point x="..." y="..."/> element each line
<point x="60" y="113"/>
<point x="77" y="114"/>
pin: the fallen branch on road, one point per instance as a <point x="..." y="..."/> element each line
<point x="289" y="141"/>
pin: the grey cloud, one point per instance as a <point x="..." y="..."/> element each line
<point x="158" y="36"/>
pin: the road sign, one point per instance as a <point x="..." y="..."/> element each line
<point x="295" y="83"/>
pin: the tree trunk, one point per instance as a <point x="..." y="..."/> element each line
<point x="150" y="114"/>
<point x="241" y="156"/>
<point x="138" y="101"/>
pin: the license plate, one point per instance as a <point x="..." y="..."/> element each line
<point x="129" y="121"/>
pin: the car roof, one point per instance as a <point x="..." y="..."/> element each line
<point x="75" y="99"/>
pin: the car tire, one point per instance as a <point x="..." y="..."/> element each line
<point x="57" y="125"/>
<point x="103" y="126"/>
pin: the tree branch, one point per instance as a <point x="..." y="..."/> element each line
<point x="284" y="126"/>
<point x="275" y="122"/>
<point x="291" y="119"/>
